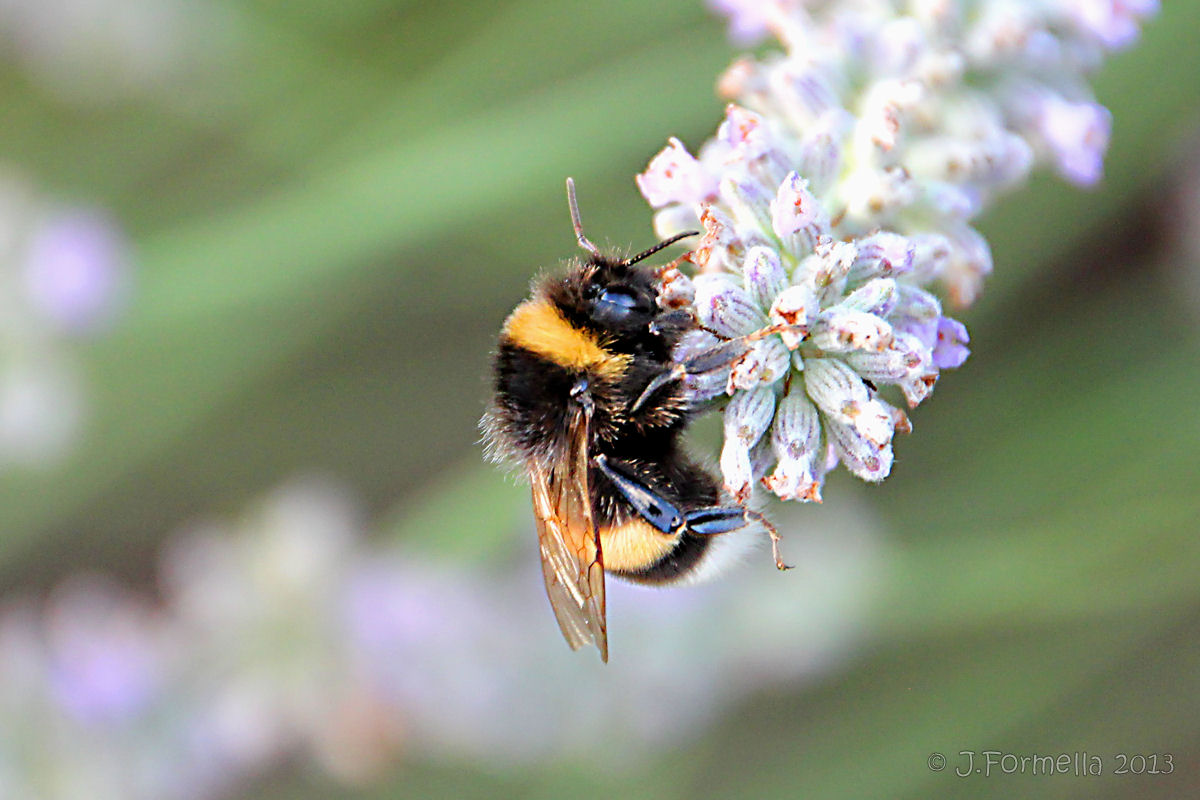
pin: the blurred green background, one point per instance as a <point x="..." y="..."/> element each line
<point x="333" y="207"/>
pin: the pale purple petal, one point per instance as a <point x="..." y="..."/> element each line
<point x="950" y="350"/>
<point x="1077" y="135"/>
<point x="675" y="176"/>
<point x="1115" y="23"/>
<point x="742" y="135"/>
<point x="749" y="20"/>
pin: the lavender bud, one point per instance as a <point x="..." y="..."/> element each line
<point x="915" y="310"/>
<point x="970" y="262"/>
<point x="766" y="362"/>
<point x="744" y="134"/>
<point x="900" y="420"/>
<point x="746" y="373"/>
<point x="998" y="33"/>
<point x="1113" y="24"/>
<point x="748" y="201"/>
<point x="819" y="153"/>
<point x="930" y="256"/>
<point x="836" y="389"/>
<point x="749" y="414"/>
<point x="996" y="159"/>
<point x="827" y="268"/>
<point x="675" y="289"/>
<point x="776" y="358"/>
<point x="675" y="176"/>
<point x="725" y="307"/>
<point x="804" y="92"/>
<point x="743" y="79"/>
<point x="763" y="275"/>
<point x="872" y="196"/>
<point x="947" y="200"/>
<point x="890" y="365"/>
<point x="917" y="387"/>
<point x="720" y="248"/>
<point x="899" y="43"/>
<point x="795" y="479"/>
<point x="749" y="147"/>
<point x="797" y="218"/>
<point x="673" y="220"/>
<point x="839" y="329"/>
<point x="797" y="429"/>
<point x="941" y="71"/>
<point x="796" y="306"/>
<point x="862" y="457"/>
<point x="878" y="296"/>
<point x="922" y="374"/>
<point x="882" y="254"/>
<point x="737" y="469"/>
<point x="874" y="421"/>
<point x="883" y="109"/>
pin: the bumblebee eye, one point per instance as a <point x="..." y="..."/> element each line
<point x="616" y="303"/>
<point x="618" y="297"/>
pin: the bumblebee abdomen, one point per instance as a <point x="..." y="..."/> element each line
<point x="633" y="548"/>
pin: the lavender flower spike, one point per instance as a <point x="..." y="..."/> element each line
<point x="837" y="196"/>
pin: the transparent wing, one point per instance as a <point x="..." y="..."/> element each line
<point x="572" y="563"/>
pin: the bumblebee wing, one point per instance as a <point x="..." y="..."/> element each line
<point x="572" y="562"/>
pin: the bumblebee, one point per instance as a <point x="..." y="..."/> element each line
<point x="589" y="400"/>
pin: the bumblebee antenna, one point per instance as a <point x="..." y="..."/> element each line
<point x="664" y="243"/>
<point x="595" y="251"/>
<point x="583" y="240"/>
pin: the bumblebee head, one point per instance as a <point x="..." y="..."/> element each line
<point x="608" y="295"/>
<point x="617" y="296"/>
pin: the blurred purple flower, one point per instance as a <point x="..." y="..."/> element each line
<point x="103" y="655"/>
<point x="76" y="269"/>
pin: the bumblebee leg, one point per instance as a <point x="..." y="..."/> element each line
<point x="650" y="505"/>
<point x="712" y="520"/>
<point x="663" y="515"/>
<point x="715" y="357"/>
<point x="671" y="321"/>
<point x="719" y="355"/>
